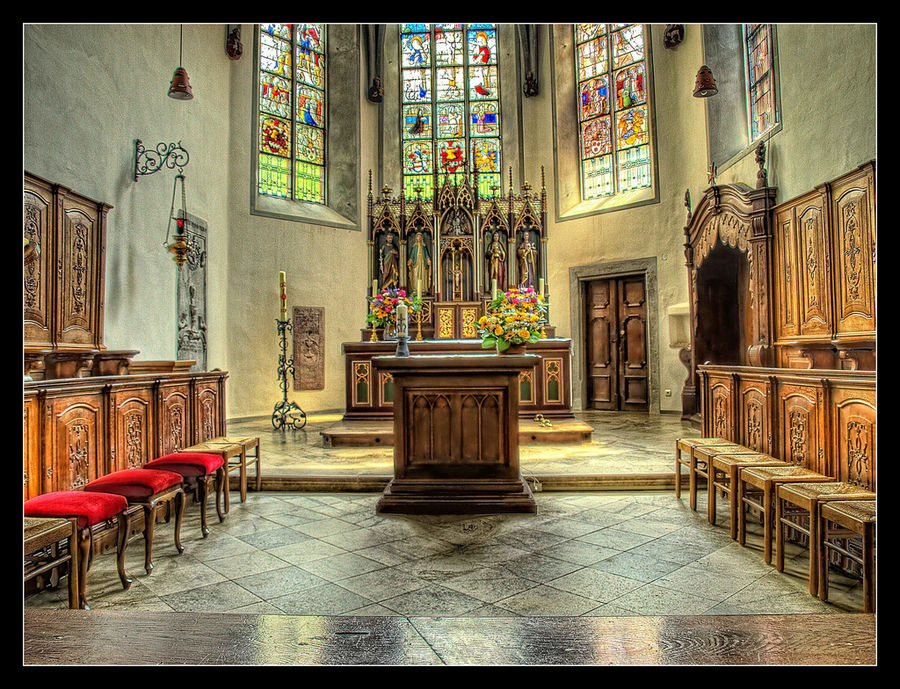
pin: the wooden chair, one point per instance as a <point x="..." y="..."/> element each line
<point x="756" y="490"/>
<point x="684" y="456"/>
<point x="98" y="516"/>
<point x="723" y="475"/>
<point x="153" y="490"/>
<point x="797" y="506"/>
<point x="703" y="457"/>
<point x="49" y="544"/>
<point x="235" y="454"/>
<point x="841" y="520"/>
<point x="199" y="470"/>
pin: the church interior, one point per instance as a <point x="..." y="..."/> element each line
<point x="449" y="344"/>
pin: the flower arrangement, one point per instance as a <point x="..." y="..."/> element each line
<point x="514" y="317"/>
<point x="383" y="308"/>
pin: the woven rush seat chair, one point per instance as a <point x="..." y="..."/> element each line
<point x="756" y="489"/>
<point x="722" y="475"/>
<point x="153" y="490"/>
<point x="797" y="504"/>
<point x="98" y="516"/>
<point x="840" y="520"/>
<point x="234" y="452"/>
<point x="199" y="470"/>
<point x="703" y="457"/>
<point x="684" y="455"/>
<point x="49" y="543"/>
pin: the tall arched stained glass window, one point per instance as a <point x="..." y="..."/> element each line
<point x="450" y="105"/>
<point x="763" y="114"/>
<point x="613" y="111"/>
<point x="292" y="111"/>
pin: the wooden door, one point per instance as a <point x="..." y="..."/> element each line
<point x="617" y="344"/>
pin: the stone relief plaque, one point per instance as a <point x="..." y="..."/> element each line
<point x="309" y="347"/>
<point x="191" y="339"/>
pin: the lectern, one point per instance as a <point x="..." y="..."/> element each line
<point x="456" y="434"/>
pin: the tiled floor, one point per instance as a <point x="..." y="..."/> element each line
<point x="587" y="553"/>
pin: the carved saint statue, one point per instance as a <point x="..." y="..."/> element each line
<point x="389" y="262"/>
<point x="526" y="256"/>
<point x="419" y="264"/>
<point x="496" y="255"/>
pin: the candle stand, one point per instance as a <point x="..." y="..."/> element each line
<point x="286" y="414"/>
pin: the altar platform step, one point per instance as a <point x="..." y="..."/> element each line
<point x="381" y="434"/>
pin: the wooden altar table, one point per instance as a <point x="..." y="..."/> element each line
<point x="456" y="434"/>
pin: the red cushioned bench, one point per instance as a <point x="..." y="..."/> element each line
<point x="153" y="490"/>
<point x="198" y="470"/>
<point x="96" y="516"/>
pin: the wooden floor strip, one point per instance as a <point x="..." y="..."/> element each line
<point x="106" y="637"/>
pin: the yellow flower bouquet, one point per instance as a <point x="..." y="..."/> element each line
<point x="514" y="317"/>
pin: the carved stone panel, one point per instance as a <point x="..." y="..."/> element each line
<point x="191" y="340"/>
<point x="309" y="348"/>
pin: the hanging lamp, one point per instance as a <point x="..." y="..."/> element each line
<point x="180" y="247"/>
<point x="180" y="87"/>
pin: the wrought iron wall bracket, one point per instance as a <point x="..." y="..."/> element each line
<point x="146" y="162"/>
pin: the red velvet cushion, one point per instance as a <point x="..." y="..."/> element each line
<point x="90" y="508"/>
<point x="187" y="463"/>
<point x="135" y="483"/>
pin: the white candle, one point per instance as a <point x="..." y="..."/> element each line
<point x="374" y="287"/>
<point x="283" y="288"/>
<point x="493" y="288"/>
<point x="402" y="320"/>
<point x="419" y="288"/>
<point x="541" y="286"/>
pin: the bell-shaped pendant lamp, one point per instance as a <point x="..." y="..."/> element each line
<point x="180" y="87"/>
<point x="705" y="85"/>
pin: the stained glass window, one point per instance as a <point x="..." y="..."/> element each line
<point x="763" y="114"/>
<point x="450" y="105"/>
<point x="292" y="111"/>
<point x="613" y="113"/>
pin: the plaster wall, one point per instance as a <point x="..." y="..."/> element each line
<point x="88" y="92"/>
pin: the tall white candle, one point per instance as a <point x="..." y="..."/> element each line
<point x="541" y="286"/>
<point x="402" y="320"/>
<point x="374" y="287"/>
<point x="493" y="288"/>
<point x="419" y="288"/>
<point x="283" y="288"/>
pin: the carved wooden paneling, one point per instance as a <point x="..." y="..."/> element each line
<point x="132" y="428"/>
<point x="822" y="420"/>
<point x="854" y="436"/>
<point x="813" y="270"/>
<point x="31" y="446"/>
<point x="784" y="275"/>
<point x="853" y="214"/>
<point x="74" y="442"/>
<point x="753" y="404"/>
<point x="207" y="419"/>
<point x="38" y="276"/>
<point x="175" y="418"/>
